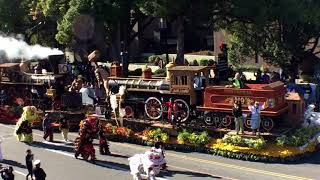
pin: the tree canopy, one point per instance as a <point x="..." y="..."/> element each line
<point x="282" y="32"/>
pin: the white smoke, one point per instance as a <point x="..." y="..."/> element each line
<point x="12" y="48"/>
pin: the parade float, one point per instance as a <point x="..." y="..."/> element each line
<point x="34" y="83"/>
<point x="206" y="109"/>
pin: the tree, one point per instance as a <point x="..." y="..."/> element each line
<point x="14" y="16"/>
<point x="282" y="32"/>
<point x="181" y="11"/>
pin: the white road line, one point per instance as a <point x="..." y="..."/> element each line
<point x="20" y="173"/>
<point x="98" y="163"/>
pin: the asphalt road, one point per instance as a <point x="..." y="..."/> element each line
<point x="59" y="163"/>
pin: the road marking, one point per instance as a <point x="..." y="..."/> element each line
<point x="97" y="163"/>
<point x="270" y="173"/>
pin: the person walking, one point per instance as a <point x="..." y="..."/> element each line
<point x="255" y="116"/>
<point x="29" y="159"/>
<point x="7" y="173"/>
<point x="237" y="114"/>
<point x="47" y="128"/>
<point x="38" y="172"/>
<point x="64" y="128"/>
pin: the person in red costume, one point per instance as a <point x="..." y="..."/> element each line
<point x="170" y="105"/>
<point x="83" y="144"/>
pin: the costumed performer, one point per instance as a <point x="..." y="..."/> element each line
<point x="23" y="129"/>
<point x="83" y="143"/>
<point x="255" y="116"/>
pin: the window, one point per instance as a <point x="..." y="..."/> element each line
<point x="184" y="80"/>
<point x="176" y="80"/>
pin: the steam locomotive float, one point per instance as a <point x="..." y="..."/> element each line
<point x="209" y="104"/>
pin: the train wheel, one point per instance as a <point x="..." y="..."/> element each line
<point x="226" y="121"/>
<point x="153" y="108"/>
<point x="247" y="123"/>
<point x="267" y="124"/>
<point x="183" y="108"/>
<point x="208" y="118"/>
<point x="128" y="112"/>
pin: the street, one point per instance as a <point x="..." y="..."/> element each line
<point x="59" y="163"/>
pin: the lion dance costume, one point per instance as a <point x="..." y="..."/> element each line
<point x="23" y="129"/>
<point x="84" y="143"/>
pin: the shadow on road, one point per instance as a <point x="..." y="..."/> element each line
<point x="13" y="163"/>
<point x="171" y="173"/>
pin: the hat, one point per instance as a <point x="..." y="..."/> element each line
<point x="36" y="162"/>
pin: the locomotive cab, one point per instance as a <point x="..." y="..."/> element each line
<point x="189" y="80"/>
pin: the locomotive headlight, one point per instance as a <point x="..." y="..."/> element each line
<point x="271" y="103"/>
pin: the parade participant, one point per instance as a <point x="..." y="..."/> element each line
<point x="103" y="142"/>
<point x="83" y="143"/>
<point x="47" y="128"/>
<point x="169" y="105"/>
<point x="237" y="114"/>
<point x="237" y="82"/>
<point x="255" y="116"/>
<point x="1" y="156"/>
<point x="87" y="95"/>
<point x="23" y="129"/>
<point x="64" y="128"/>
<point x="29" y="159"/>
<point x="38" y="172"/>
<point x="150" y="163"/>
<point x="7" y="173"/>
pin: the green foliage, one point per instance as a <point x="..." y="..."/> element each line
<point x="204" y="62"/>
<point x="158" y="134"/>
<point x="236" y="140"/>
<point x="281" y="32"/>
<point x="152" y="59"/>
<point x="136" y="72"/>
<point x="298" y="137"/>
<point x="194" y="138"/>
<point x="183" y="136"/>
<point x="161" y="73"/>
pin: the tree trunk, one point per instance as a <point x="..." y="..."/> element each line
<point x="180" y="41"/>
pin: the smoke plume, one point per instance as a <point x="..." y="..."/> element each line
<point x="12" y="49"/>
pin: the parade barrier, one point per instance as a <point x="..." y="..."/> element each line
<point x="249" y="149"/>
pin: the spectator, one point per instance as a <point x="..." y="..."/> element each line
<point x="29" y="159"/>
<point x="64" y="128"/>
<point x="38" y="172"/>
<point x="47" y="128"/>
<point x="7" y="173"/>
